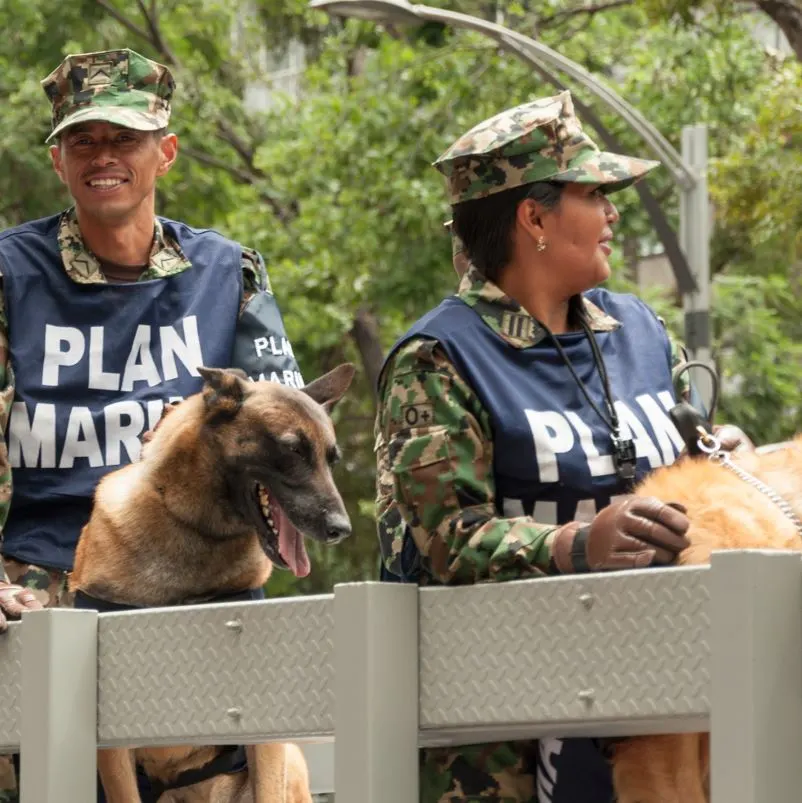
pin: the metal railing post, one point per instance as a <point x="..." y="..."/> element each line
<point x="756" y="677"/>
<point x="58" y="737"/>
<point x="376" y="689"/>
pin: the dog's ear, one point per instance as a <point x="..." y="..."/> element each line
<point x="328" y="389"/>
<point x="223" y="392"/>
<point x="168" y="408"/>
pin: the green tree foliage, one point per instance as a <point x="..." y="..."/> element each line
<point x="335" y="187"/>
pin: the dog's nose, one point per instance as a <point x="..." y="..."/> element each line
<point x="338" y="527"/>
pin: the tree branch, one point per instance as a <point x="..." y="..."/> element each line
<point x="590" y="10"/>
<point x="123" y="20"/>
<point x="152" y="34"/>
<point x="243" y="176"/>
<point x="788" y="17"/>
<point x="366" y="335"/>
<point x="227" y="134"/>
<point x="152" y="20"/>
<point x="212" y="161"/>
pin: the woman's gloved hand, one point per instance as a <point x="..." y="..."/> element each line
<point x="630" y="533"/>
<point x="732" y="438"/>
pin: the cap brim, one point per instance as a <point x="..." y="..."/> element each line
<point x="610" y="170"/>
<point x="117" y="115"/>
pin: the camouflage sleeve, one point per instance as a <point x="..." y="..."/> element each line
<point x="254" y="275"/>
<point x="682" y="384"/>
<point x="261" y="346"/>
<point x="435" y="475"/>
<point x="6" y="397"/>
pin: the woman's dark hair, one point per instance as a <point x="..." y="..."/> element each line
<point x="485" y="225"/>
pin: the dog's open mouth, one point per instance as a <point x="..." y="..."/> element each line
<point x="281" y="541"/>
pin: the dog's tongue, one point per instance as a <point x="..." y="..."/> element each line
<point x="291" y="546"/>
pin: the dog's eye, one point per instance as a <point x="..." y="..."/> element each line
<point x="298" y="444"/>
<point x="332" y="455"/>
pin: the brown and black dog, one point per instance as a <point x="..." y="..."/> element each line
<point x="725" y="513"/>
<point x="226" y="487"/>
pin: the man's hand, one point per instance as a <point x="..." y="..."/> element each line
<point x="628" y="534"/>
<point x="13" y="601"/>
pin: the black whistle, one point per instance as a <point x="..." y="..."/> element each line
<point x="625" y="458"/>
<point x="686" y="419"/>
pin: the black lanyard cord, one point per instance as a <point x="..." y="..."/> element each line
<point x="624" y="453"/>
<point x="612" y="423"/>
<point x="605" y="377"/>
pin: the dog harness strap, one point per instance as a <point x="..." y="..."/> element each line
<point x="88" y="602"/>
<point x="84" y="601"/>
<point x="232" y="759"/>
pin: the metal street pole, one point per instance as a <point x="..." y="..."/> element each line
<point x="695" y="241"/>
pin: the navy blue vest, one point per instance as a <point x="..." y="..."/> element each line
<point x="551" y="451"/>
<point x="93" y="366"/>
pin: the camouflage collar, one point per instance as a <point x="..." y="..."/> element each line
<point x="506" y="316"/>
<point x="83" y="267"/>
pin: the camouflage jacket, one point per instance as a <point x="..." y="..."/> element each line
<point x="441" y="482"/>
<point x="83" y="267"/>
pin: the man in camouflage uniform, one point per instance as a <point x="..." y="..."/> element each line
<point x="110" y="112"/>
<point x="443" y="516"/>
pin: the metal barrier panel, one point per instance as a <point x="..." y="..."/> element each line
<point x="224" y="673"/>
<point x="10" y="687"/>
<point x="621" y="653"/>
<point x="658" y="651"/>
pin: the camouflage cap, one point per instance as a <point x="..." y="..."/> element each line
<point x="541" y="140"/>
<point x="114" y="86"/>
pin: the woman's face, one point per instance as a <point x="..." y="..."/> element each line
<point x="578" y="235"/>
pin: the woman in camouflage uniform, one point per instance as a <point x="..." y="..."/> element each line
<point x="514" y="417"/>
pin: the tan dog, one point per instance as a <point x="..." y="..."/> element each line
<point x="725" y="513"/>
<point x="228" y="484"/>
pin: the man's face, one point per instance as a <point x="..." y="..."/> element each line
<point x="111" y="171"/>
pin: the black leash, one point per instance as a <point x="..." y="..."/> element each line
<point x="687" y="419"/>
<point x="624" y="456"/>
<point x="232" y="759"/>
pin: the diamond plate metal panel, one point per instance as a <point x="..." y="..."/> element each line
<point x="176" y="676"/>
<point x="10" y="687"/>
<point x="565" y="653"/>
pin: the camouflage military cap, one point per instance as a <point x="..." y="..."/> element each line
<point x="541" y="140"/>
<point x="114" y="86"/>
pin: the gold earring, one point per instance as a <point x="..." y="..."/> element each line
<point x="541" y="243"/>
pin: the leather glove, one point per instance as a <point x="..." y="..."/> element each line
<point x="14" y="600"/>
<point x="630" y="533"/>
<point x="732" y="438"/>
